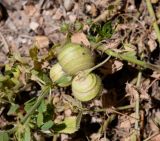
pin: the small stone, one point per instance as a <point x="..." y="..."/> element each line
<point x="34" y="25"/>
<point x="68" y="4"/>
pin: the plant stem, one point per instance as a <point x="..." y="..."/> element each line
<point x="152" y="136"/>
<point x="107" y="123"/>
<point x="152" y="14"/>
<point x="125" y="107"/>
<point x="117" y="108"/>
<point x="128" y="58"/>
<point x="137" y="102"/>
<point x="98" y="65"/>
<point x="44" y="92"/>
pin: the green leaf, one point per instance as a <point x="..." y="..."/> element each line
<point x="34" y="53"/>
<point x="78" y="121"/>
<point x="4" y="136"/>
<point x="16" y="72"/>
<point x="27" y="134"/>
<point x="42" y="107"/>
<point x="48" y="115"/>
<point x="78" y="26"/>
<point x="39" y="119"/>
<point x="44" y="77"/>
<point x="47" y="125"/>
<point x="17" y="56"/>
<point x="68" y="126"/>
<point x="29" y="104"/>
<point x="64" y="79"/>
<point x="3" y="78"/>
<point x="106" y="30"/>
<point x="98" y="32"/>
<point x="64" y="27"/>
<point x="40" y="77"/>
<point x="13" y="109"/>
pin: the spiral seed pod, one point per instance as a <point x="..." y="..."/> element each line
<point x="59" y="77"/>
<point x="74" y="58"/>
<point x="86" y="88"/>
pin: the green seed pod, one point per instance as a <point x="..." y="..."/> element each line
<point x="86" y="88"/>
<point x="74" y="58"/>
<point x="59" y="77"/>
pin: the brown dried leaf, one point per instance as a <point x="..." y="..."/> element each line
<point x="58" y="15"/>
<point x="30" y="10"/>
<point x="152" y="44"/>
<point x="132" y="92"/>
<point x="41" y="41"/>
<point x="80" y="38"/>
<point x="144" y="89"/>
<point x="72" y="18"/>
<point x="127" y="123"/>
<point x="156" y="75"/>
<point x="156" y="138"/>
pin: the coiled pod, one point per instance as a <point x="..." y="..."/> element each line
<point x="74" y="58"/>
<point x="87" y="87"/>
<point x="59" y="77"/>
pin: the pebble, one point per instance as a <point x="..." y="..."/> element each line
<point x="68" y="4"/>
<point x="34" y="25"/>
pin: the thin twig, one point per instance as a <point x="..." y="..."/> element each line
<point x="4" y="43"/>
<point x="108" y="13"/>
<point x="98" y="65"/>
<point x="137" y="102"/>
<point x="114" y="111"/>
<point x="152" y="14"/>
<point x="152" y="136"/>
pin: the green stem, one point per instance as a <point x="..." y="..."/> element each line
<point x="152" y="14"/>
<point x="107" y="123"/>
<point x="128" y="58"/>
<point x="98" y="65"/>
<point x="117" y="108"/>
<point x="44" y="92"/>
<point x="125" y="107"/>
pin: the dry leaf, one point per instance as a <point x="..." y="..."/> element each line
<point x="156" y="75"/>
<point x="127" y="123"/>
<point x="72" y="18"/>
<point x="152" y="44"/>
<point x="156" y="138"/>
<point x="58" y="15"/>
<point x="132" y="92"/>
<point x="41" y="41"/>
<point x="80" y="38"/>
<point x="30" y="10"/>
